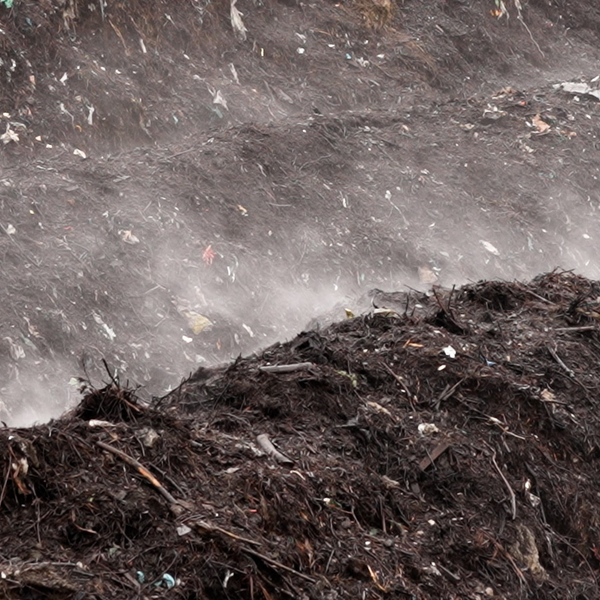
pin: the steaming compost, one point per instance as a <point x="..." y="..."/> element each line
<point x="173" y="195"/>
<point x="184" y="182"/>
<point x="438" y="446"/>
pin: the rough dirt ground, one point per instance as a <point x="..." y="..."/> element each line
<point x="173" y="196"/>
<point x="447" y="447"/>
<point x="259" y="183"/>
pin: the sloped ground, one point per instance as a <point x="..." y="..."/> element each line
<point x="432" y="149"/>
<point x="220" y="194"/>
<point x="446" y="447"/>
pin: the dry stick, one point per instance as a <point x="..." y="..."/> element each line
<point x="583" y="328"/>
<point x="400" y="381"/>
<point x="141" y="469"/>
<point x="286" y="368"/>
<point x="265" y="443"/>
<point x="585" y="560"/>
<point x="521" y="20"/>
<point x="510" y="560"/>
<point x="513" y="498"/>
<point x="5" y="482"/>
<point x="569" y="372"/>
<point x="278" y="564"/>
<point x="561" y="363"/>
<point x="120" y="36"/>
<point x="181" y="153"/>
<point x="448" y="391"/>
<point x="540" y="297"/>
<point x="434" y="455"/>
<point x="209" y="527"/>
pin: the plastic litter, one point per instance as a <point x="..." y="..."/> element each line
<point x="183" y="530"/>
<point x="427" y="428"/>
<point x="449" y="351"/>
<point x="236" y="22"/>
<point x="490" y="247"/>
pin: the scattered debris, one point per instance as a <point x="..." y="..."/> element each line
<point x="579" y="89"/>
<point x="128" y="237"/>
<point x="9" y="136"/>
<point x="237" y="23"/>
<point x="490" y="248"/>
<point x="125" y="487"/>
<point x="540" y="124"/>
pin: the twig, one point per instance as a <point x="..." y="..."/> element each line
<point x="585" y="560"/>
<point x="304" y="366"/>
<point x="399" y="380"/>
<point x="557" y="358"/>
<point x="447" y="393"/>
<point x="120" y="36"/>
<point x="540" y="297"/>
<point x="2" y="495"/>
<point x="569" y="372"/>
<point x="583" y="328"/>
<point x="509" y="558"/>
<point x="181" y="153"/>
<point x="265" y="443"/>
<point x="513" y="498"/>
<point x="141" y="469"/>
<point x="521" y="20"/>
<point x="112" y="377"/>
<point x="453" y="576"/>
<point x="504" y="428"/>
<point x="209" y="527"/>
<point x="278" y="564"/>
<point x="434" y="454"/>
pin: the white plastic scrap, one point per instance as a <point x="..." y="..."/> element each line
<point x="108" y="332"/>
<point x="450" y="351"/>
<point x="428" y="428"/>
<point x="100" y="423"/>
<point x="573" y="87"/>
<point x="218" y="99"/>
<point x="236" y="22"/>
<point x="183" y="530"/>
<point x="128" y="237"/>
<point x="490" y="247"/>
<point x="234" y="73"/>
<point x="16" y="350"/>
<point x="9" y="136"/>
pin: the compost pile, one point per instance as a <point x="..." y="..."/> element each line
<point x="438" y="446"/>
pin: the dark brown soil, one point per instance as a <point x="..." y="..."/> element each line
<point x="445" y="448"/>
<point x="174" y="197"/>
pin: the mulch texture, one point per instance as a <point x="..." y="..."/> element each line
<point x="437" y="446"/>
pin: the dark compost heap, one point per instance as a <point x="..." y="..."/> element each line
<point x="440" y="446"/>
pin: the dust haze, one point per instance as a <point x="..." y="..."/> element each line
<point x="264" y="214"/>
<point x="256" y="293"/>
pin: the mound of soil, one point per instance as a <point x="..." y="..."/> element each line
<point x="439" y="446"/>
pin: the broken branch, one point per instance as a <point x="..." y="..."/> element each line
<point x="265" y="443"/>
<point x="279" y="565"/>
<point x="400" y="381"/>
<point x="303" y="366"/>
<point x="513" y="498"/>
<point x="209" y="527"/>
<point x="141" y="470"/>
